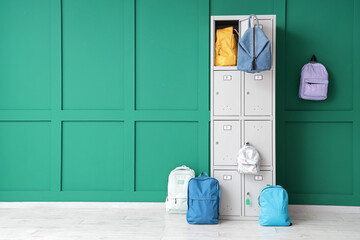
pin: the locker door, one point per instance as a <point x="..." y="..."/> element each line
<point x="226" y="93"/>
<point x="265" y="24"/>
<point x="253" y="186"/>
<point x="259" y="134"/>
<point x="226" y="142"/>
<point x="258" y="94"/>
<point x="230" y="186"/>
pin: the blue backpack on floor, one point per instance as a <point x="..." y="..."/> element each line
<point x="273" y="201"/>
<point x="203" y="200"/>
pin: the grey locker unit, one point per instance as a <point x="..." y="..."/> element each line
<point x="227" y="142"/>
<point x="242" y="110"/>
<point x="230" y="186"/>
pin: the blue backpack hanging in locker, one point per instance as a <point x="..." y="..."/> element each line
<point x="254" y="50"/>
<point x="203" y="200"/>
<point x="273" y="201"/>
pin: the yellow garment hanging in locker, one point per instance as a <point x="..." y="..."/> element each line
<point x="225" y="47"/>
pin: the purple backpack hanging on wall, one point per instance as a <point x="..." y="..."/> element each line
<point x="314" y="81"/>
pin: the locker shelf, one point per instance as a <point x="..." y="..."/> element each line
<point x="227" y="23"/>
<point x="225" y="68"/>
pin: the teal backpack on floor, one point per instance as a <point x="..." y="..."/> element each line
<point x="273" y="201"/>
<point x="203" y="200"/>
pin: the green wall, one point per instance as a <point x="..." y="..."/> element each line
<point x="100" y="99"/>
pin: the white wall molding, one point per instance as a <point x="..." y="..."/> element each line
<point x="161" y="206"/>
<point x="125" y="205"/>
<point x="324" y="208"/>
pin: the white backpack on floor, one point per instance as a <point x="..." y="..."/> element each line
<point x="176" y="200"/>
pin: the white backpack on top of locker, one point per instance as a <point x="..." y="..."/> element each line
<point x="176" y="200"/>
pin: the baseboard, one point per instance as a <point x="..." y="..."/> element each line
<point x="138" y="205"/>
<point x="324" y="208"/>
<point x="161" y="205"/>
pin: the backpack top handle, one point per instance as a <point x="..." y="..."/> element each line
<point x="255" y="17"/>
<point x="313" y="58"/>
<point x="203" y="174"/>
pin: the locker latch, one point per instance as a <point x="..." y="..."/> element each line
<point x="227" y="77"/>
<point x="247" y="200"/>
<point x="227" y="177"/>
<point x="227" y="127"/>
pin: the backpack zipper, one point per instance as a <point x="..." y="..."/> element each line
<point x="254" y="57"/>
<point x="270" y="186"/>
<point x="266" y="188"/>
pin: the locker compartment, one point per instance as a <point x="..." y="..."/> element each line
<point x="259" y="134"/>
<point x="226" y="93"/>
<point x="230" y="186"/>
<point x="258" y="94"/>
<point x="226" y="142"/>
<point x="253" y="186"/>
<point x="226" y="23"/>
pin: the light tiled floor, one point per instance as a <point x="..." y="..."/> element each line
<point x="149" y="221"/>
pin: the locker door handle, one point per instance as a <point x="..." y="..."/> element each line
<point x="227" y="77"/>
<point x="227" y="177"/>
<point x="227" y="127"/>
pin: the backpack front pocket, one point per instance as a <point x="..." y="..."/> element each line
<point x="203" y="211"/>
<point x="176" y="205"/>
<point x="316" y="88"/>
